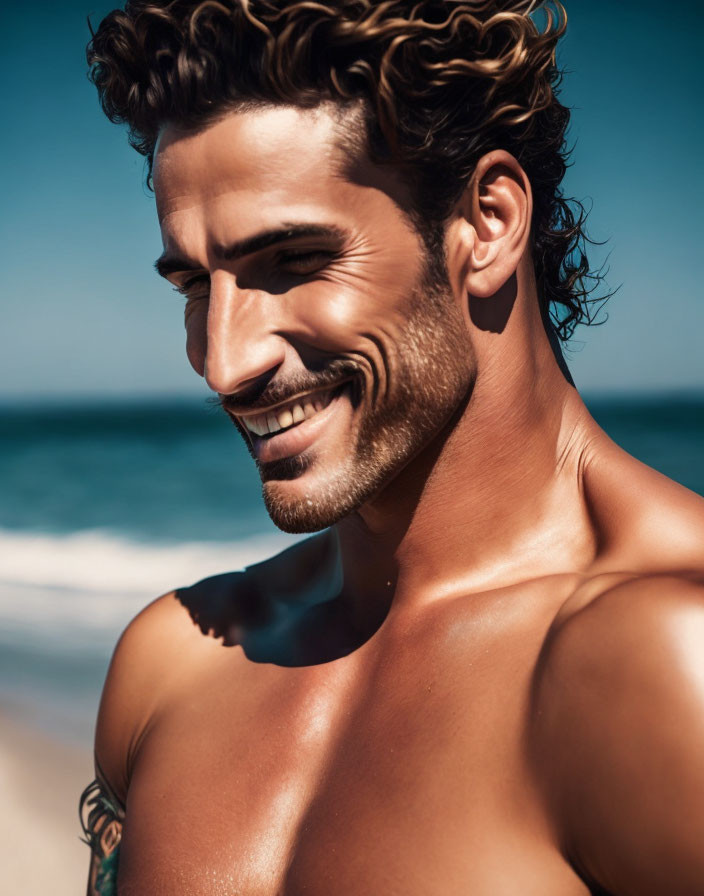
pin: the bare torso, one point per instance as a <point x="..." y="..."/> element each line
<point x="413" y="764"/>
<point x="399" y="768"/>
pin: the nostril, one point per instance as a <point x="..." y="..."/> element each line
<point x="249" y="390"/>
<point x="229" y="378"/>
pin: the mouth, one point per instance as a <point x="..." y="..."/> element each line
<point x="286" y="416"/>
<point x="290" y="427"/>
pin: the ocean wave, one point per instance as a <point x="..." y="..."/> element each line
<point x="66" y="594"/>
<point x="98" y="561"/>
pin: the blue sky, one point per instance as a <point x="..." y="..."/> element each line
<point x="84" y="313"/>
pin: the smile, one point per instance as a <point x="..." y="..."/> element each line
<point x="288" y="415"/>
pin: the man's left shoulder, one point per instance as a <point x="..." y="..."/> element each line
<point x="619" y="732"/>
<point x="634" y="632"/>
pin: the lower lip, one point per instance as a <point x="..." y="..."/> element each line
<point x="291" y="442"/>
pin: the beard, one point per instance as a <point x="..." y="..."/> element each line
<point x="432" y="374"/>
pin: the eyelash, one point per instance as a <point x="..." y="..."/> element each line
<point x="282" y="258"/>
<point x="302" y="257"/>
<point x="185" y="289"/>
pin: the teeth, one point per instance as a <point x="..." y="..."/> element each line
<point x="253" y="425"/>
<point x="285" y="417"/>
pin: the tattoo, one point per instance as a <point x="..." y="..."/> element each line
<point x="101" y="819"/>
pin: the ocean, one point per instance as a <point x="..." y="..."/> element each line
<point x="105" y="507"/>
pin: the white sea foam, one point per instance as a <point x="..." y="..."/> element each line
<point x="97" y="561"/>
<point x="95" y="582"/>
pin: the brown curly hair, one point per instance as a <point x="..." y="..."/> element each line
<point x="441" y="82"/>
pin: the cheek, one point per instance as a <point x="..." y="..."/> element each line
<point x="339" y="318"/>
<point x="196" y="321"/>
<point x="365" y="327"/>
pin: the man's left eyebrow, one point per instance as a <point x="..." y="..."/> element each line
<point x="279" y="235"/>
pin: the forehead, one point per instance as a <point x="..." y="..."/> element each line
<point x="264" y="149"/>
<point x="252" y="169"/>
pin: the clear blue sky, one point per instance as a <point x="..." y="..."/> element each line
<point x="84" y="313"/>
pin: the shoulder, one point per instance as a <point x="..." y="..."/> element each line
<point x="619" y="727"/>
<point x="643" y="521"/>
<point x="161" y="652"/>
<point x="173" y="642"/>
<point x="142" y="672"/>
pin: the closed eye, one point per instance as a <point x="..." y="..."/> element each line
<point x="304" y="263"/>
<point x="195" y="287"/>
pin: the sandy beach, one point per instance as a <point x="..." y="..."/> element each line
<point x="40" y="780"/>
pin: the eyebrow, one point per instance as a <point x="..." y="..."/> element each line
<point x="172" y="264"/>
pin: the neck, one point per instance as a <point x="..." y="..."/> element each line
<point x="494" y="500"/>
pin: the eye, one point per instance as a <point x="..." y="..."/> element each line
<point x="195" y="288"/>
<point x="304" y="263"/>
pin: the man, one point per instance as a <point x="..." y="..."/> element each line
<point x="486" y="675"/>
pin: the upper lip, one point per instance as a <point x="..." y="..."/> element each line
<point x="272" y="408"/>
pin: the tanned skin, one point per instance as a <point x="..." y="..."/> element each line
<point x="486" y="679"/>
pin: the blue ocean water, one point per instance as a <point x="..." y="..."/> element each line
<point x="106" y="506"/>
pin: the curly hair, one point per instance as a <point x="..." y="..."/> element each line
<point x="441" y="83"/>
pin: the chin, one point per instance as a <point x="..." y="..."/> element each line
<point x="307" y="504"/>
<point x="309" y="493"/>
<point x="297" y="519"/>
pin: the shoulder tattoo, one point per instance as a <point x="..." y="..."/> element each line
<point x="101" y="817"/>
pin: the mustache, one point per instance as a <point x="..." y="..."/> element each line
<point x="267" y="393"/>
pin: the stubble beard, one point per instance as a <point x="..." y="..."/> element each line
<point x="433" y="370"/>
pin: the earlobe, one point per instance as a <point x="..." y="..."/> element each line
<point x="497" y="205"/>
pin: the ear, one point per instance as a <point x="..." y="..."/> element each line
<point x="492" y="228"/>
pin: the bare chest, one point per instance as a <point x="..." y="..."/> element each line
<point x="406" y="773"/>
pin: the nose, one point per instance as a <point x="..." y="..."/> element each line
<point x="242" y="338"/>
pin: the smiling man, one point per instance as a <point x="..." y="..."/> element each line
<point x="486" y="675"/>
